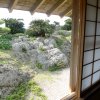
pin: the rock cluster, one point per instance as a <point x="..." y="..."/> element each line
<point x="42" y="52"/>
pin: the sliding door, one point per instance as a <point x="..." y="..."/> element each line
<point x="91" y="52"/>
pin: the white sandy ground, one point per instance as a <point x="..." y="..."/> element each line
<point x="55" y="85"/>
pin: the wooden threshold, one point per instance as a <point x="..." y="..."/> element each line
<point x="71" y="96"/>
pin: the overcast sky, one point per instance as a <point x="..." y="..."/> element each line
<point x="4" y="13"/>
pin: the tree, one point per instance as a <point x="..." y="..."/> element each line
<point x="68" y="25"/>
<point x="16" y="25"/>
<point x="40" y="28"/>
<point x="56" y="23"/>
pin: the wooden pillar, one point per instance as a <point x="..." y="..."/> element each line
<point x="78" y="15"/>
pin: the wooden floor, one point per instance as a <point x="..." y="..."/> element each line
<point x="94" y="96"/>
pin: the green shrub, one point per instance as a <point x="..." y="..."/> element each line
<point x="5" y="44"/>
<point x="5" y="30"/>
<point x="7" y="36"/>
<point x="31" y="32"/>
<point x="5" y="41"/>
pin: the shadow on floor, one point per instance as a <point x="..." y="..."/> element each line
<point x="94" y="96"/>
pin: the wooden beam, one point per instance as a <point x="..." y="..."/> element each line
<point x="69" y="13"/>
<point x="55" y="6"/>
<point x="36" y="5"/>
<point x="12" y="5"/>
<point x="66" y="11"/>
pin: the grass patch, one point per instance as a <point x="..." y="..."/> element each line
<point x="38" y="65"/>
<point x="4" y="54"/>
<point x="68" y="38"/>
<point x="19" y="34"/>
<point x="21" y="91"/>
<point x="18" y="93"/>
<point x="43" y="76"/>
<point x="4" y="62"/>
<point x="57" y="67"/>
<point x="54" y="68"/>
<point x="59" y="42"/>
<point x="24" y="50"/>
<point x="42" y="49"/>
<point x="32" y="38"/>
<point x="5" y="57"/>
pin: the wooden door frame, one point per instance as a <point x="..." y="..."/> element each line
<point x="78" y="28"/>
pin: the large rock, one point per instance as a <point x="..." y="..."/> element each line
<point x="10" y="78"/>
<point x="49" y="41"/>
<point x="57" y="57"/>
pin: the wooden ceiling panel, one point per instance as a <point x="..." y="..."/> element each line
<point x="47" y="5"/>
<point x="64" y="6"/>
<point x="50" y="7"/>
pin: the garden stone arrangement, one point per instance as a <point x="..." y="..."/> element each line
<point x="9" y="79"/>
<point x="43" y="53"/>
<point x="31" y="59"/>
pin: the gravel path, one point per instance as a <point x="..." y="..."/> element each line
<point x="55" y="84"/>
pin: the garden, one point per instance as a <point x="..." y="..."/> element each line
<point x="34" y="60"/>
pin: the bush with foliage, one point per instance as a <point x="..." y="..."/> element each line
<point x="16" y="25"/>
<point x="5" y="41"/>
<point x="5" y="45"/>
<point x="40" y="28"/>
<point x="31" y="32"/>
<point x="68" y="25"/>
